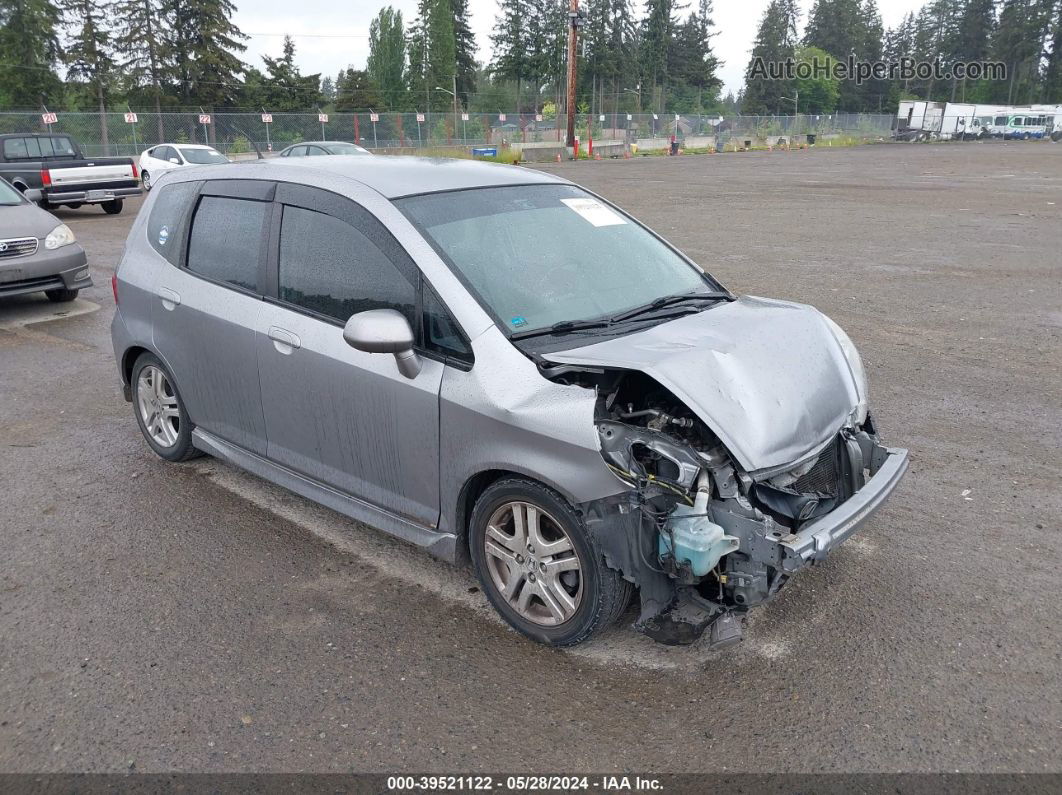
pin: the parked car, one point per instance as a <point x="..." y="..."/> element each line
<point x="37" y="251"/>
<point x="157" y="160"/>
<point x="52" y="171"/>
<point x="504" y="368"/>
<point x="323" y="148"/>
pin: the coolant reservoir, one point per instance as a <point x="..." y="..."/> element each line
<point x="697" y="539"/>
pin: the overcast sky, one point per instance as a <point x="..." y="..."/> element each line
<point x="330" y="36"/>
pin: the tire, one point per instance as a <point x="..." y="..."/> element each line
<point x="75" y="206"/>
<point x="145" y="178"/>
<point x="61" y="295"/>
<point x="171" y="436"/>
<point x="506" y="559"/>
<point x="113" y="207"/>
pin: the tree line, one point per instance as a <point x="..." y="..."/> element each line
<point x="1023" y="35"/>
<point x="170" y="54"/>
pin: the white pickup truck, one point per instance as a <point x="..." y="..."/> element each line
<point x="52" y="171"/>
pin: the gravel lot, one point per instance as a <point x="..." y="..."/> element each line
<point x="168" y="617"/>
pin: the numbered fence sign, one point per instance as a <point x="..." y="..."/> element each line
<point x="267" y="118"/>
<point x="601" y="117"/>
<point x="538" y="117"/>
<point x="49" y="118"/>
<point x="420" y="118"/>
<point x="464" y="117"/>
<point x="655" y="117"/>
<point x="629" y="117"/>
<point x="501" y="117"/>
<point x="322" y="117"/>
<point x="677" y="117"/>
<point x="130" y="118"/>
<point x="204" y="118"/>
<point x="374" y="117"/>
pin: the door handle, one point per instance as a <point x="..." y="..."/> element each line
<point x="284" y="340"/>
<point x="169" y="298"/>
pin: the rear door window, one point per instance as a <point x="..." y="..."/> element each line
<point x="166" y="224"/>
<point x="225" y="242"/>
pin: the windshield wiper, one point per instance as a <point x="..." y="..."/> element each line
<point x="563" y="327"/>
<point x="669" y="300"/>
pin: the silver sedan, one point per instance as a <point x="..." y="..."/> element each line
<point x="38" y="253"/>
<point x="505" y="369"/>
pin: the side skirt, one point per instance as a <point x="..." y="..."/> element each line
<point x="440" y="545"/>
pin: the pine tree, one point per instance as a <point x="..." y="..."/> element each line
<point x="89" y="56"/>
<point x="464" y="51"/>
<point x="658" y="27"/>
<point x="386" y="63"/>
<point x="328" y="89"/>
<point x="140" y="41"/>
<point x="432" y="55"/>
<point x="201" y="50"/>
<point x="775" y="43"/>
<point x="871" y="49"/>
<point x="357" y="91"/>
<point x="899" y="44"/>
<point x="510" y="42"/>
<point x="838" y="28"/>
<point x="1052" y="88"/>
<point x="29" y="45"/>
<point x="286" y="89"/>
<point x="691" y="64"/>
<point x="973" y="41"/>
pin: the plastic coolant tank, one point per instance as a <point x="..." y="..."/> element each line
<point x="697" y="539"/>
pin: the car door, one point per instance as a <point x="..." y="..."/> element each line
<point x="206" y="310"/>
<point x="344" y="417"/>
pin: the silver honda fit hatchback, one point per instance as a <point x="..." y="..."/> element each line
<point x="497" y="365"/>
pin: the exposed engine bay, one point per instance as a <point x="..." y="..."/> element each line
<point x="702" y="539"/>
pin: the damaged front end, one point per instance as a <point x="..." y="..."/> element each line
<point x="703" y="539"/>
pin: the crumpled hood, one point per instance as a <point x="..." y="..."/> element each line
<point x="768" y="377"/>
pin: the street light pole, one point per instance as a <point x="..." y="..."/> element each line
<point x="573" y="27"/>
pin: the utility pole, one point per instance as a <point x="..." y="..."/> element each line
<point x="574" y="21"/>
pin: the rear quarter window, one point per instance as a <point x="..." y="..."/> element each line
<point x="169" y="214"/>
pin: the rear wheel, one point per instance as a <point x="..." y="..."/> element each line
<point x="540" y="566"/>
<point x="160" y="413"/>
<point x="61" y="295"/>
<point x="113" y="207"/>
<point x="74" y="206"/>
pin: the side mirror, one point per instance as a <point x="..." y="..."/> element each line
<point x="175" y="161"/>
<point x="384" y="331"/>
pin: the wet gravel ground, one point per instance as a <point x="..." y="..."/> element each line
<point x="161" y="617"/>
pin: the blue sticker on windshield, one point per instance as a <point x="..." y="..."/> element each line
<point x="518" y="321"/>
<point x="164" y="235"/>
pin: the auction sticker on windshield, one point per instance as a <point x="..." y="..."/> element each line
<point x="594" y="212"/>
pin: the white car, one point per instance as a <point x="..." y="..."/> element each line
<point x="157" y="160"/>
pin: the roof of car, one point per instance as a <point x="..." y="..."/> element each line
<point x="184" y="146"/>
<point x="395" y="176"/>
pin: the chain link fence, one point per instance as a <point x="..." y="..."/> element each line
<point x="240" y="133"/>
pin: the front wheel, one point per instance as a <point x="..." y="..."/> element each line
<point x="146" y="179"/>
<point x="160" y="413"/>
<point x="113" y="207"/>
<point x="540" y="566"/>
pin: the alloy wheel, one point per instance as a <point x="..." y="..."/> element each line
<point x="533" y="563"/>
<point x="157" y="403"/>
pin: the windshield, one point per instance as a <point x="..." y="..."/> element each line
<point x="345" y="149"/>
<point x="537" y="255"/>
<point x="203" y="156"/>
<point x="8" y="195"/>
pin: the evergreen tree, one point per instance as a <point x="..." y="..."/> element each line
<point x="29" y="46"/>
<point x="202" y="51"/>
<point x="657" y="30"/>
<point x="328" y="89"/>
<point x="386" y="63"/>
<point x="1052" y="88"/>
<point x="899" y="44"/>
<point x="775" y="42"/>
<point x="692" y="83"/>
<point x="871" y="49"/>
<point x="286" y="89"/>
<point x="357" y="91"/>
<point x="838" y="28"/>
<point x="464" y="51"/>
<point x="432" y="55"/>
<point x="973" y="42"/>
<point x="140" y="41"/>
<point x="89" y="56"/>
